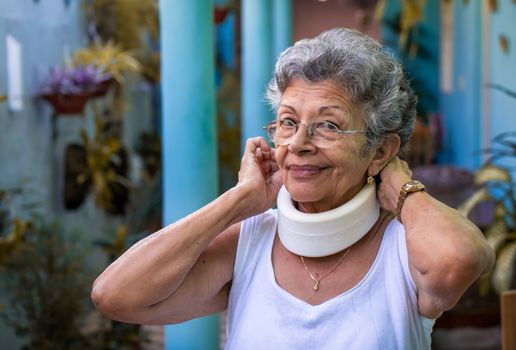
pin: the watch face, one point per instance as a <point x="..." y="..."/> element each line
<point x="413" y="186"/>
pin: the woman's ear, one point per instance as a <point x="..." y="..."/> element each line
<point x="387" y="150"/>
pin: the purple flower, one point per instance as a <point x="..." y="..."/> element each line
<point x="73" y="80"/>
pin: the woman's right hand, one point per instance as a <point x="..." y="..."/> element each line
<point x="259" y="176"/>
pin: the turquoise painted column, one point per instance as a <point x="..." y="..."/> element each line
<point x="501" y="70"/>
<point x="189" y="134"/>
<point x="257" y="67"/>
<point x="461" y="107"/>
<point x="282" y="26"/>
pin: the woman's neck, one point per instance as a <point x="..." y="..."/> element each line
<point x="325" y="233"/>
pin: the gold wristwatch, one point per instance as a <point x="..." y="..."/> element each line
<point x="409" y="187"/>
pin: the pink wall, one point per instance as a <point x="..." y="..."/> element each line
<point x="311" y="17"/>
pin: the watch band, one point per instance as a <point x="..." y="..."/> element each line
<point x="409" y="187"/>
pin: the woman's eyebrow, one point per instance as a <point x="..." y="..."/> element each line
<point x="325" y="108"/>
<point x="321" y="109"/>
<point x="289" y="107"/>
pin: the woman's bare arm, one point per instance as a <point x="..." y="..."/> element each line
<point x="184" y="270"/>
<point x="176" y="272"/>
<point x="447" y="252"/>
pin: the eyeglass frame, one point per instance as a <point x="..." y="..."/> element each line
<point x="309" y="129"/>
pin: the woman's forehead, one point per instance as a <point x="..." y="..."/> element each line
<point x="326" y="93"/>
<point x="321" y="97"/>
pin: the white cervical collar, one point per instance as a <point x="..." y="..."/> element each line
<point x="329" y="232"/>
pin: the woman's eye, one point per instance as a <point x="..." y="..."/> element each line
<point x="287" y="122"/>
<point x="327" y="126"/>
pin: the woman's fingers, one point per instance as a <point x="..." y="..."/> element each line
<point x="259" y="169"/>
<point x="257" y="142"/>
<point x="268" y="161"/>
<point x="393" y="175"/>
<point x="258" y="153"/>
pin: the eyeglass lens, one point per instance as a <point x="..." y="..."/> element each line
<point x="320" y="134"/>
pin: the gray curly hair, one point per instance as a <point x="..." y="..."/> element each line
<point x="363" y="68"/>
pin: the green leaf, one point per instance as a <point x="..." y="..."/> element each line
<point x="479" y="196"/>
<point x="496" y="234"/>
<point x="492" y="173"/>
<point x="504" y="269"/>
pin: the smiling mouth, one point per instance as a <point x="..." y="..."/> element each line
<point x="305" y="170"/>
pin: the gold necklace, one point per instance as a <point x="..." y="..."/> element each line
<point x="317" y="281"/>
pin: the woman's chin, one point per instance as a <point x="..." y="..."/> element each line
<point x="303" y="194"/>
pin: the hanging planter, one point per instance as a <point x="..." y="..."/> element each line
<point x="67" y="103"/>
<point x="69" y="89"/>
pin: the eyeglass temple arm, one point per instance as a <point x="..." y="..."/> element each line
<point x="344" y="132"/>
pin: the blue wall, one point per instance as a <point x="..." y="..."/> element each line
<point x="45" y="30"/>
<point x="468" y="128"/>
<point x="423" y="68"/>
<point x="462" y="107"/>
<point x="471" y="113"/>
<point x="48" y="30"/>
<point x="502" y="69"/>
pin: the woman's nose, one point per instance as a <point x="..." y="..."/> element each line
<point x="301" y="141"/>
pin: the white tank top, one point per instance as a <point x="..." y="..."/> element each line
<point x="380" y="312"/>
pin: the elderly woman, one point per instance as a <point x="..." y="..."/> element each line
<point x="331" y="267"/>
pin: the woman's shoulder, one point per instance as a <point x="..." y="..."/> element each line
<point x="255" y="233"/>
<point x="394" y="235"/>
<point x="388" y="224"/>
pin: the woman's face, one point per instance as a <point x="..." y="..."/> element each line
<point x="320" y="179"/>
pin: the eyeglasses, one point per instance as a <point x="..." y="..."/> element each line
<point x="322" y="134"/>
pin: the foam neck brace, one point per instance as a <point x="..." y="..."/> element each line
<point x="329" y="232"/>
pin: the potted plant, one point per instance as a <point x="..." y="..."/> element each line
<point x="108" y="57"/>
<point x="114" y="60"/>
<point x="12" y="229"/>
<point x="495" y="183"/>
<point x="482" y="306"/>
<point x="100" y="165"/>
<point x="46" y="288"/>
<point x="68" y="89"/>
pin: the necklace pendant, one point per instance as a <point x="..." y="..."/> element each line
<point x="316" y="286"/>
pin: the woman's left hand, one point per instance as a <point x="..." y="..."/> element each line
<point x="446" y="251"/>
<point x="395" y="174"/>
